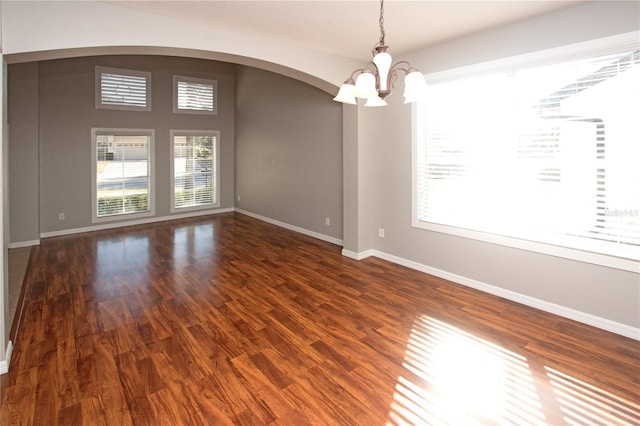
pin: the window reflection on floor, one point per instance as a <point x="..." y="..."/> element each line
<point x="191" y="242"/>
<point x="120" y="253"/>
<point x="455" y="378"/>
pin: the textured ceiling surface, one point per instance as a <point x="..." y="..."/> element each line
<point x="350" y="28"/>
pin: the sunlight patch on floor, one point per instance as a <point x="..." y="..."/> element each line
<point x="456" y="378"/>
<point x="582" y="403"/>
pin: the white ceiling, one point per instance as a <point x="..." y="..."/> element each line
<point x="350" y="28"/>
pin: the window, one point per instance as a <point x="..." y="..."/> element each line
<point x="123" y="89"/>
<point x="122" y="173"/>
<point x="542" y="158"/>
<point x="195" y="95"/>
<point x="194" y="169"/>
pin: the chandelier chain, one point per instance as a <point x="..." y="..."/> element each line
<point x="381" y="21"/>
<point x="376" y="80"/>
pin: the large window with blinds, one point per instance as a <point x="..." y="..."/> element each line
<point x="542" y="157"/>
<point x="123" y="89"/>
<point x="194" y="169"/>
<point x="194" y="95"/>
<point x="122" y="175"/>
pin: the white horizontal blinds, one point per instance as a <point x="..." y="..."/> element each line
<point x="123" y="89"/>
<point x="195" y="96"/>
<point x="122" y="174"/>
<point x="547" y="154"/>
<point x="195" y="170"/>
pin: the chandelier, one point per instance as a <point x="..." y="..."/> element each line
<point x="376" y="81"/>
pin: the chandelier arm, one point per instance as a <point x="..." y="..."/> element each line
<point x="396" y="67"/>
<point x="393" y="76"/>
<point x="384" y="78"/>
<point x="391" y="79"/>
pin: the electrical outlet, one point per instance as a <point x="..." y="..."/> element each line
<point x="238" y="198"/>
<point x="60" y="216"/>
<point x="381" y="232"/>
<point x="327" y="221"/>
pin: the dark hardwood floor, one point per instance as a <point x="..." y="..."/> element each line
<point x="229" y="320"/>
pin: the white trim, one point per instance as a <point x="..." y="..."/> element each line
<point x="625" y="261"/>
<point x="133" y="222"/>
<point x="357" y="255"/>
<point x="4" y="365"/>
<point x="119" y="71"/>
<point x="313" y="234"/>
<point x="151" y="161"/>
<point x="216" y="168"/>
<point x="610" y="261"/>
<point x="20" y="244"/>
<point x="563" y="311"/>
<point x="205" y="81"/>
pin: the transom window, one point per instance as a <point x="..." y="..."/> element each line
<point x="540" y="158"/>
<point x="195" y="95"/>
<point x="123" y="89"/>
<point x="194" y="169"/>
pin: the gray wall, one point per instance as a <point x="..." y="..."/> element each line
<point x="288" y="151"/>
<point x="62" y="119"/>
<point x="23" y="134"/>
<point x="385" y="144"/>
<point x="289" y="155"/>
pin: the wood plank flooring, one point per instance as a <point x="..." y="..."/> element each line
<point x="229" y="320"/>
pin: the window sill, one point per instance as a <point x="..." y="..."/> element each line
<point x="615" y="262"/>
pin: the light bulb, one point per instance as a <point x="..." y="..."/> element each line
<point x="375" y="101"/>
<point x="415" y="88"/>
<point x="347" y="93"/>
<point x="382" y="61"/>
<point x="366" y="85"/>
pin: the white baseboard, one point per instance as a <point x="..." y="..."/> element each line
<point x="357" y="256"/>
<point x="563" y="311"/>
<point x="4" y="365"/>
<point x="20" y="244"/>
<point x="294" y="228"/>
<point x="133" y="222"/>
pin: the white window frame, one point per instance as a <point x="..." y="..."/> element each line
<point x="216" y="160"/>
<point x="213" y="83"/>
<point x="94" y="178"/>
<point x="135" y="73"/>
<point x="577" y="51"/>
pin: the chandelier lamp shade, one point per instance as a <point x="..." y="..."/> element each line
<point x="375" y="82"/>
